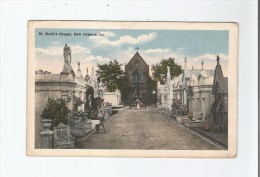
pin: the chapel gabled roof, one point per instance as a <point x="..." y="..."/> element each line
<point x="137" y="56"/>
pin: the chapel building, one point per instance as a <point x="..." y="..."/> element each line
<point x="137" y="71"/>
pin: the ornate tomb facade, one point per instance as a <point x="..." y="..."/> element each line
<point x="219" y="108"/>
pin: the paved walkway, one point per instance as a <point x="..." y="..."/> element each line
<point x="145" y="129"/>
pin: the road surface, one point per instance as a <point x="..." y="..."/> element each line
<point x="145" y="129"/>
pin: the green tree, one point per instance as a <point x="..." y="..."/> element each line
<point x="125" y="88"/>
<point x="57" y="111"/>
<point x="159" y="70"/>
<point x="113" y="76"/>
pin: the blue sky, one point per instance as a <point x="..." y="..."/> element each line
<point x="120" y="44"/>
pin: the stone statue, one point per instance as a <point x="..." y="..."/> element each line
<point x="89" y="98"/>
<point x="89" y="101"/>
<point x="100" y="84"/>
<point x="67" y="54"/>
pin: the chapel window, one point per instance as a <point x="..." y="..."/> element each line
<point x="137" y="76"/>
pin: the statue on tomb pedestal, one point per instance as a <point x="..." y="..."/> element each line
<point x="67" y="61"/>
<point x="67" y="54"/>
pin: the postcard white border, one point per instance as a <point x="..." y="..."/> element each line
<point x="232" y="83"/>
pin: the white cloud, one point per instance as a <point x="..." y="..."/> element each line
<point x="153" y="56"/>
<point x="209" y="57"/>
<point x="51" y="58"/>
<point x="55" y="51"/>
<point x="104" y="40"/>
<point x="51" y="51"/>
<point x="182" y="48"/>
<point x="96" y="59"/>
<point x="209" y="61"/>
<point x="77" y="49"/>
<point x="88" y="62"/>
<point x="157" y="51"/>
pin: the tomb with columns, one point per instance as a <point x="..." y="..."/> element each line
<point x="188" y="92"/>
<point x="66" y="85"/>
<point x="198" y="96"/>
<point x="48" y="85"/>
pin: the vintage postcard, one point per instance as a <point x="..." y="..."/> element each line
<point x="132" y="89"/>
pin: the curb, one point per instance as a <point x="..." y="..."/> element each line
<point x="223" y="146"/>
